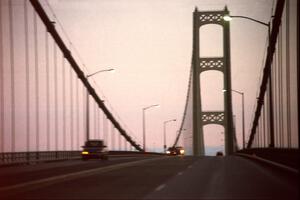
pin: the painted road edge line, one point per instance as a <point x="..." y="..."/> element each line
<point x="74" y="175"/>
<point x="295" y="171"/>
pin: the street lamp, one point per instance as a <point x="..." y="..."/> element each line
<point x="144" y="126"/>
<point x="228" y="18"/>
<point x="103" y="70"/>
<point x="88" y="103"/>
<point x="243" y="113"/>
<point x="165" y="123"/>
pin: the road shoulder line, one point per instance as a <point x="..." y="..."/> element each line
<point x="31" y="185"/>
<point x="278" y="165"/>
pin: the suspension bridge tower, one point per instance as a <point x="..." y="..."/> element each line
<point x="201" y="64"/>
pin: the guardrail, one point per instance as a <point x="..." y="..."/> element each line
<point x="16" y="158"/>
<point x="284" y="156"/>
<point x="36" y="156"/>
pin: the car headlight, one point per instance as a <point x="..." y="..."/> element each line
<point x="84" y="152"/>
<point x="181" y="151"/>
<point x="168" y="152"/>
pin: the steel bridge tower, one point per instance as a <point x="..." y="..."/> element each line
<point x="201" y="64"/>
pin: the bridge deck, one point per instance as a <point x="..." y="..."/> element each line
<point x="151" y="178"/>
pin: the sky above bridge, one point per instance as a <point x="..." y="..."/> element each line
<point x="149" y="43"/>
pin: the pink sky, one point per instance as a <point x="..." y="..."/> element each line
<point x="149" y="43"/>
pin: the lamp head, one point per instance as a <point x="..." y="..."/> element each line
<point x="227" y="18"/>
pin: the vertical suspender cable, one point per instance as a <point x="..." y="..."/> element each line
<point x="101" y="115"/>
<point x="255" y="139"/>
<point x="105" y="135"/>
<point x="27" y="93"/>
<point x="98" y="123"/>
<point x="12" y="77"/>
<point x="262" y="129"/>
<point x="125" y="145"/>
<point x="279" y="88"/>
<point x="275" y="100"/>
<point x="287" y="64"/>
<point x="113" y="137"/>
<point x="47" y="92"/>
<point x="258" y="133"/>
<point x="261" y="132"/>
<point x="84" y="91"/>
<point x="77" y="114"/>
<point x="264" y="125"/>
<point x="1" y="85"/>
<point x="36" y="54"/>
<point x="268" y="119"/>
<point x="120" y="145"/>
<point x="280" y="71"/>
<point x="64" y="102"/>
<point x="298" y="76"/>
<point x="71" y="108"/>
<point x="277" y="97"/>
<point x="55" y="96"/>
<point x="95" y="120"/>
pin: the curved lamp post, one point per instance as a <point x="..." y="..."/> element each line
<point x="165" y="139"/>
<point x="243" y="113"/>
<point x="144" y="124"/>
<point x="88" y="103"/>
<point x="229" y="18"/>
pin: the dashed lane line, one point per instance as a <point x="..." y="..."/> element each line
<point x="180" y="173"/>
<point x="160" y="187"/>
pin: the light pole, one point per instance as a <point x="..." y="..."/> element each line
<point x="165" y="123"/>
<point x="243" y="113"/>
<point x="229" y="18"/>
<point x="88" y="103"/>
<point x="144" y="124"/>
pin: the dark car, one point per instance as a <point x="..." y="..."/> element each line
<point x="219" y="153"/>
<point x="175" y="151"/>
<point x="94" y="149"/>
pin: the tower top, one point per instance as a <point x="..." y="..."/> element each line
<point x="226" y="8"/>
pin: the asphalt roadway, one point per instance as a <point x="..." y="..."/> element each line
<point x="149" y="177"/>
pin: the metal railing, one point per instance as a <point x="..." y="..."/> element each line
<point x="36" y="156"/>
<point x="17" y="158"/>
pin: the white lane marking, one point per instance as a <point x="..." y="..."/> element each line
<point x="160" y="187"/>
<point x="74" y="175"/>
<point x="180" y="173"/>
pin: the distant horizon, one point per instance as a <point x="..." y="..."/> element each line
<point x="209" y="150"/>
